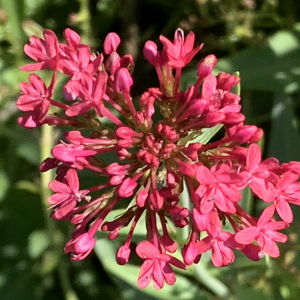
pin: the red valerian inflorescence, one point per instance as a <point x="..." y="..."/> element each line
<point x="155" y="161"/>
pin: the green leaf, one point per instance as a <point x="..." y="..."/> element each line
<point x="285" y="139"/>
<point x="273" y="68"/>
<point x="207" y="134"/>
<point x="202" y="136"/>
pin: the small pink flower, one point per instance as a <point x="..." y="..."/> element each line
<point x="265" y="233"/>
<point x="221" y="246"/>
<point x="72" y="153"/>
<point x="36" y="97"/>
<point x="179" y="54"/>
<point x="45" y="52"/>
<point x="218" y="187"/>
<point x="209" y="222"/>
<point x="91" y="92"/>
<point x="157" y="266"/>
<point x="66" y="195"/>
<point x="288" y="191"/>
<point x="261" y="178"/>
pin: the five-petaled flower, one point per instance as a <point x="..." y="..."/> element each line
<point x="265" y="233"/>
<point x="157" y="266"/>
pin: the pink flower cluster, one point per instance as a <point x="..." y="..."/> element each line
<point x="155" y="161"/>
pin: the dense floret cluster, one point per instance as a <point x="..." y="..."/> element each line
<point x="156" y="161"/>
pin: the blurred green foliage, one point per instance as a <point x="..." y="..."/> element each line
<point x="258" y="38"/>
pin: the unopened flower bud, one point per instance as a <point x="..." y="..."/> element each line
<point x="111" y="43"/>
<point x="151" y="53"/>
<point x="206" y="65"/>
<point x="122" y="255"/>
<point x="123" y="81"/>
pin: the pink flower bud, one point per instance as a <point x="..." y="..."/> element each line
<point x="126" y="133"/>
<point x="209" y="86"/>
<point x="127" y="188"/>
<point x="72" y="38"/>
<point x="206" y="65"/>
<point x="113" y="234"/>
<point x="156" y="200"/>
<point x="111" y="43"/>
<point x="167" y="131"/>
<point x="244" y="133"/>
<point x="80" y="246"/>
<point x="151" y="53"/>
<point x="140" y="117"/>
<point x="187" y="169"/>
<point x="172" y="179"/>
<point x="214" y="118"/>
<point x="77" y="219"/>
<point x="117" y="179"/>
<point x="192" y="151"/>
<point x="123" y="255"/>
<point x="124" y="154"/>
<point x="127" y="62"/>
<point x="141" y="198"/>
<point x="227" y="81"/>
<point x="123" y="81"/>
<point x="256" y="136"/>
<point x="112" y="63"/>
<point x="84" y="243"/>
<point x="115" y="169"/>
<point x="170" y="245"/>
<point x="234" y="118"/>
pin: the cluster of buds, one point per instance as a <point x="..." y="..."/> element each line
<point x="156" y="162"/>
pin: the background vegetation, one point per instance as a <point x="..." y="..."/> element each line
<point x="259" y="38"/>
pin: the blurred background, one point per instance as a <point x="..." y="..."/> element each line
<point x="260" y="39"/>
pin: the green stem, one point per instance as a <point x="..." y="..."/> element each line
<point x="46" y="144"/>
<point x="15" y="34"/>
<point x="186" y="202"/>
<point x="84" y="20"/>
<point x="212" y="283"/>
<point x="63" y="273"/>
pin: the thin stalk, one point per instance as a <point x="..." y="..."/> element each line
<point x="84" y="19"/>
<point x="15" y="34"/>
<point x="211" y="282"/>
<point x="46" y="144"/>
